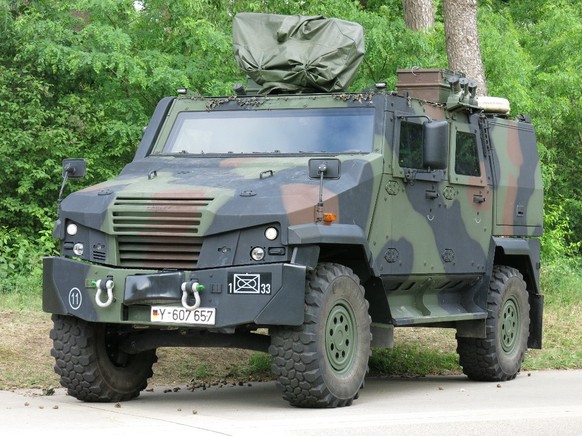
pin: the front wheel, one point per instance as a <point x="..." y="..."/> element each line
<point x="324" y="362"/>
<point x="90" y="364"/>
<point x="499" y="356"/>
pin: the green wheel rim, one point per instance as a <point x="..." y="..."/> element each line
<point x="340" y="337"/>
<point x="510" y="325"/>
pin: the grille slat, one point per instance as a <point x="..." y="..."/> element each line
<point x="163" y="248"/>
<point x="152" y="227"/>
<point x="158" y="232"/>
<point x="134" y="255"/>
<point x="152" y="202"/>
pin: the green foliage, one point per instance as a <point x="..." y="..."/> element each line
<point x="20" y="262"/>
<point x="508" y="67"/>
<point x="259" y="363"/>
<point x="80" y="78"/>
<point x="561" y="283"/>
<point x="257" y="366"/>
<point x="557" y="238"/>
<point x="202" y="371"/>
<point x="551" y="33"/>
<point x="532" y="56"/>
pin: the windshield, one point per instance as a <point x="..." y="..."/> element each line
<point x="337" y="130"/>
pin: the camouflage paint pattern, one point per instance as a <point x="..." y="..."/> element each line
<point x="422" y="241"/>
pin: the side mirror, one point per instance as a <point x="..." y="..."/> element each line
<point x="435" y="145"/>
<point x="74" y="168"/>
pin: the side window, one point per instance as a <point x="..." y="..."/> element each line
<point x="411" y="137"/>
<point x="467" y="155"/>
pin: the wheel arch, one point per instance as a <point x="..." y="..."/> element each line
<point x="345" y="244"/>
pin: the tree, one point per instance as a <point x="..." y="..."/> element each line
<point x="418" y="14"/>
<point x="80" y="78"/>
<point x="462" y="40"/>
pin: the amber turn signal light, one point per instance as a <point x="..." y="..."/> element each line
<point x="329" y="217"/>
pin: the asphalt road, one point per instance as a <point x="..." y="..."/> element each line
<point x="536" y="403"/>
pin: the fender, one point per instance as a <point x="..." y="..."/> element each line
<point x="311" y="238"/>
<point x="523" y="254"/>
<point x="348" y="234"/>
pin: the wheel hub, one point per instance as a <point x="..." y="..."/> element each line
<point x="509" y="325"/>
<point x="340" y="337"/>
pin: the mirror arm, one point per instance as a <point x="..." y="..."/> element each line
<point x="322" y="169"/>
<point x="65" y="178"/>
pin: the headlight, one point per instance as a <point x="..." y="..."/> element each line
<point x="78" y="249"/>
<point x="72" y="229"/>
<point x="258" y="253"/>
<point x="271" y="233"/>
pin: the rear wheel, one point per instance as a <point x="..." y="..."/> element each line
<point x="324" y="362"/>
<point x="90" y="364"/>
<point x="499" y="356"/>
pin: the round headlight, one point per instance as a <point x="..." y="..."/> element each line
<point x="258" y="253"/>
<point x="271" y="233"/>
<point x="78" y="249"/>
<point x="72" y="229"/>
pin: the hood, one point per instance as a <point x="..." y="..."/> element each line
<point x="199" y="196"/>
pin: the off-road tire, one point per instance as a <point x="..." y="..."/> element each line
<point x="499" y="356"/>
<point x="323" y="363"/>
<point x="91" y="367"/>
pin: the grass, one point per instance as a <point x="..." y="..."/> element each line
<point x="562" y="285"/>
<point x="418" y="352"/>
<point x="26" y="361"/>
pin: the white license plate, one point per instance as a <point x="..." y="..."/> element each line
<point x="179" y="315"/>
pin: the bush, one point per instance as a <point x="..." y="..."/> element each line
<point x="21" y="261"/>
<point x="561" y="282"/>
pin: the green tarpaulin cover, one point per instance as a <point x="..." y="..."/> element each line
<point x="298" y="53"/>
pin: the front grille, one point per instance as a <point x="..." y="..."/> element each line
<point x="159" y="252"/>
<point x="158" y="232"/>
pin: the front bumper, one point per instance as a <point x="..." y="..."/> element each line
<point x="264" y="295"/>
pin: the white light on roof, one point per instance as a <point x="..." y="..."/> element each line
<point x="493" y="104"/>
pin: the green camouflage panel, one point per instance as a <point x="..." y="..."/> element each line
<point x="517" y="179"/>
<point x="418" y="215"/>
<point x="439" y="236"/>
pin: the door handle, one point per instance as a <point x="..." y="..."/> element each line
<point x="477" y="198"/>
<point x="431" y="195"/>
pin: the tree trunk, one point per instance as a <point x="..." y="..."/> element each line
<point x="418" y="14"/>
<point x="462" y="39"/>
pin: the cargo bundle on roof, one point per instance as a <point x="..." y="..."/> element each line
<point x="298" y="53"/>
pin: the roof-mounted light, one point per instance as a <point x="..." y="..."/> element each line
<point x="497" y="105"/>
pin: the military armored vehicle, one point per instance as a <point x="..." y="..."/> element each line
<point x="302" y="220"/>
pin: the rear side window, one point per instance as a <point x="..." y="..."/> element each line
<point x="411" y="137"/>
<point x="466" y="155"/>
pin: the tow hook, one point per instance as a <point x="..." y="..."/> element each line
<point x="107" y="286"/>
<point x="194" y="287"/>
